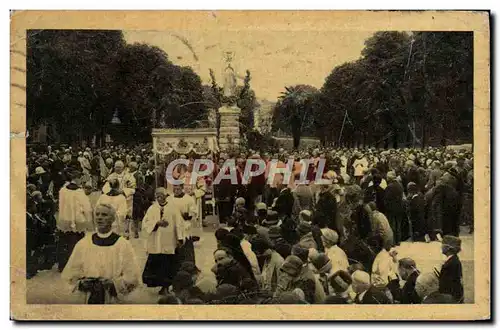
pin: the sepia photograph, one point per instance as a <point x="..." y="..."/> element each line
<point x="250" y="158"/>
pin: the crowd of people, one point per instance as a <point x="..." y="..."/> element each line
<point x="279" y="241"/>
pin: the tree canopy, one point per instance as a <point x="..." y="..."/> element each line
<point x="78" y="79"/>
<point x="293" y="113"/>
<point x="405" y="89"/>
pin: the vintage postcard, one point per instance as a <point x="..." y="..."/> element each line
<point x="250" y="158"/>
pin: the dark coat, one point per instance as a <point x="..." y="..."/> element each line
<point x="450" y="279"/>
<point x="408" y="293"/>
<point x="375" y="194"/>
<point x="140" y="203"/>
<point x="413" y="175"/>
<point x="233" y="273"/>
<point x="416" y="214"/>
<point x="325" y="214"/>
<point x="306" y="282"/>
<point x="395" y="211"/>
<point x="445" y="210"/>
<point x="393" y="199"/>
<point x="361" y="221"/>
<point x="284" y="203"/>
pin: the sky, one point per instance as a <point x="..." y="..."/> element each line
<point x="275" y="58"/>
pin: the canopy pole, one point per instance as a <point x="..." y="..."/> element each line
<point x="342" y="129"/>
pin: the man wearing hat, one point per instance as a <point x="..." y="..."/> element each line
<point x="296" y="275"/>
<point x="450" y="276"/>
<point x="271" y="219"/>
<point x="394" y="208"/>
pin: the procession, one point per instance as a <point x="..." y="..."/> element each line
<point x="199" y="204"/>
<point x="328" y="241"/>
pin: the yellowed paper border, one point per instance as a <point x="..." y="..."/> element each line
<point x="246" y="21"/>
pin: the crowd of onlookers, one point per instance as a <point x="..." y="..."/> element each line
<point x="282" y="242"/>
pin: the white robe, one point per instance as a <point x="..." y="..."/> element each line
<point x="164" y="239"/>
<point x="197" y="192"/>
<point x="119" y="203"/>
<point x="75" y="211"/>
<point x="185" y="204"/>
<point x="116" y="262"/>
<point x="127" y="185"/>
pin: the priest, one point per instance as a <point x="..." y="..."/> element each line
<point x="103" y="266"/>
<point x="163" y="226"/>
<point x="186" y="205"/>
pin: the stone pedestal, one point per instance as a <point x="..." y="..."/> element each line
<point x="229" y="131"/>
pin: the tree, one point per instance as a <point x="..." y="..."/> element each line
<point x="294" y="111"/>
<point x="70" y="79"/>
<point x="442" y="69"/>
<point x="157" y="93"/>
<point x="413" y="87"/>
<point x="78" y="79"/>
<point x="385" y="56"/>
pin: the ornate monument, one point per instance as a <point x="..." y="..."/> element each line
<point x="229" y="132"/>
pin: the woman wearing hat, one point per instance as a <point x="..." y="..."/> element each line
<point x="336" y="255"/>
<point x="270" y="263"/>
<point x="296" y="274"/>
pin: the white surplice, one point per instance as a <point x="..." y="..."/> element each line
<point x="185" y="204"/>
<point x="164" y="239"/>
<point x="116" y="262"/>
<point x="75" y="211"/>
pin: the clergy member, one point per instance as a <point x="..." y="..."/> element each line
<point x="127" y="187"/>
<point x="74" y="219"/>
<point x="163" y="227"/>
<point x="186" y="205"/>
<point x="103" y="265"/>
<point x="116" y="199"/>
<point x="195" y="186"/>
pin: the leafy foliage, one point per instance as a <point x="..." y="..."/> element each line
<point x="78" y="79"/>
<point x="294" y="111"/>
<point x="411" y="88"/>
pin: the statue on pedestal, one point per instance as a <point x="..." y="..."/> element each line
<point x="230" y="82"/>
